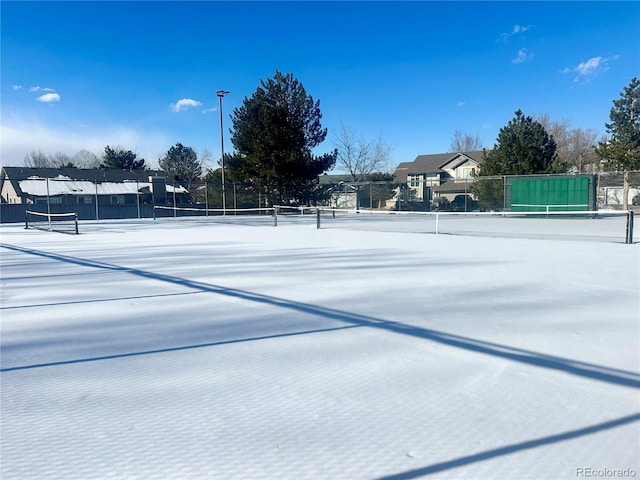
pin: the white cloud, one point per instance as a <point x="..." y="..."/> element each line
<point x="41" y="89"/>
<point x="523" y="56"/>
<point x="461" y="104"/>
<point x="21" y="137"/>
<point x="48" y="98"/>
<point x="184" y="104"/>
<point x="17" y="87"/>
<point x="210" y="110"/>
<point x="517" y="29"/>
<point x="591" y="67"/>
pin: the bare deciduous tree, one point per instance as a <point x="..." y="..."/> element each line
<point x="61" y="160"/>
<point x="86" y="159"/>
<point x="41" y="160"/>
<point x="575" y="146"/>
<point x="463" y="142"/>
<point x="37" y="160"/>
<point x="361" y="157"/>
<point x="205" y="156"/>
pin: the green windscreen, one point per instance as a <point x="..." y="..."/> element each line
<point x="562" y="194"/>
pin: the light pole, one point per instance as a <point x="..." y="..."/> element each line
<point x="222" y="93"/>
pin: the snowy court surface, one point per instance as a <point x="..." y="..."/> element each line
<point x="182" y="349"/>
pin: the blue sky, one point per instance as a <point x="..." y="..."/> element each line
<point x="144" y="75"/>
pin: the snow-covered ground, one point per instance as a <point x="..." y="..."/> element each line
<point x="193" y="349"/>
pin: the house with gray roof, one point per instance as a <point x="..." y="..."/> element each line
<point x="76" y="186"/>
<point x="90" y="193"/>
<point x="439" y="175"/>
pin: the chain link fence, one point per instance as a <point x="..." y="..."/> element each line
<point x="134" y="199"/>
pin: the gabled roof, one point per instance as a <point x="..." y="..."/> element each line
<point x="437" y="162"/>
<point x="327" y="179"/>
<point x="334" y="179"/>
<point x="79" y="181"/>
<point x="65" y="186"/>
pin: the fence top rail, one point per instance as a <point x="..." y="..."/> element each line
<point x="203" y="209"/>
<point x="444" y="213"/>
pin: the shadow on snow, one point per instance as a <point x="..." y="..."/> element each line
<point x="582" y="369"/>
<point x="509" y="449"/>
<point x="573" y="367"/>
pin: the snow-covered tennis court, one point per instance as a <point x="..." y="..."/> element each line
<point x="193" y="349"/>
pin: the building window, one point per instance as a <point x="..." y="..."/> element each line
<point x="465" y="172"/>
<point x="85" y="200"/>
<point x="432" y="180"/>
<point x="117" y="199"/>
<point x="52" y="200"/>
<point x="414" y="180"/>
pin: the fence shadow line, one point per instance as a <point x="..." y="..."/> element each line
<point x="173" y="349"/>
<point x="98" y="300"/>
<point x="509" y="449"/>
<point x="573" y="367"/>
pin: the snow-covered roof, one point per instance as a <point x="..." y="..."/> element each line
<point x="64" y="186"/>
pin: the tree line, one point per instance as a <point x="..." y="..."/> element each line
<point x="524" y="147"/>
<point x="277" y="131"/>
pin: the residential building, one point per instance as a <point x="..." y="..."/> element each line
<point x="439" y="175"/>
<point x="74" y="186"/>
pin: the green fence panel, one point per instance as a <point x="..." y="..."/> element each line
<point x="556" y="194"/>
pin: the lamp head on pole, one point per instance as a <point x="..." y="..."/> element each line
<point x="222" y="93"/>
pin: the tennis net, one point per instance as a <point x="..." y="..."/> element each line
<point x="247" y="216"/>
<point x="608" y="226"/>
<point x="54" y="222"/>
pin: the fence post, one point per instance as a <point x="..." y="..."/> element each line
<point x="504" y="193"/>
<point x="318" y="218"/>
<point x="48" y="204"/>
<point x="97" y="207"/>
<point x="206" y="200"/>
<point x="275" y="215"/>
<point x="138" y="197"/>
<point x="235" y="200"/>
<point x="629" y="236"/>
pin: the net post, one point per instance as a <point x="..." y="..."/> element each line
<point x="437" y="221"/>
<point x="318" y="219"/>
<point x="275" y="215"/>
<point x="629" y="232"/>
<point x="75" y="218"/>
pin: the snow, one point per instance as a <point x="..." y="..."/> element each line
<point x="205" y="348"/>
<point x="64" y="186"/>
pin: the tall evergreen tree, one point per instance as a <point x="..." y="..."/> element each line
<point x="621" y="152"/>
<point x="120" y="159"/>
<point x="274" y="133"/>
<point x="523" y="147"/>
<point x="182" y="163"/>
